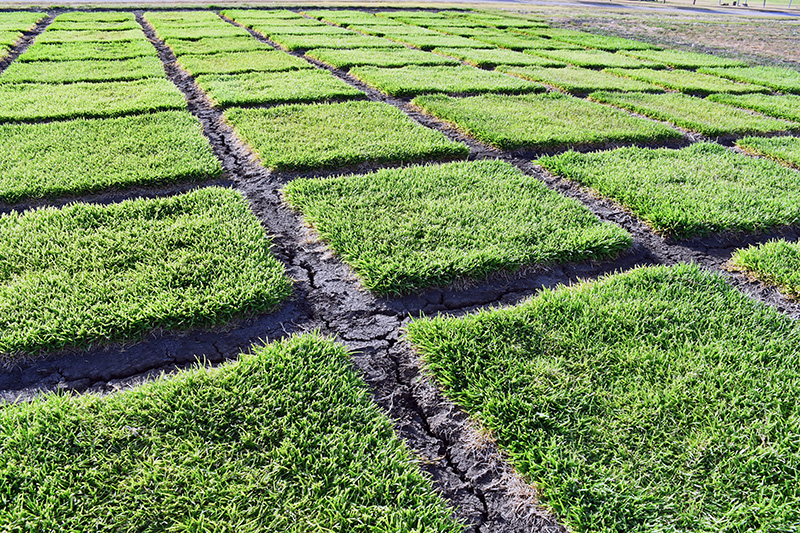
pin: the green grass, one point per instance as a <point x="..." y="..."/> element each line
<point x="181" y="18"/>
<point x="319" y="29"/>
<point x="780" y="79"/>
<point x="274" y="22"/>
<point x="8" y="39"/>
<point x="496" y="56"/>
<point x="112" y="50"/>
<point x="234" y="62"/>
<point x="91" y="274"/>
<point x="385" y="29"/>
<point x="81" y="156"/>
<point x="300" y="137"/>
<point x="344" y="17"/>
<point x="20" y="20"/>
<point x="86" y="70"/>
<point x="522" y="42"/>
<point x="216" y="45"/>
<point x="219" y="29"/>
<point x="594" y="58"/>
<point x="681" y="59"/>
<point x="89" y="36"/>
<point x="395" y="57"/>
<point x="408" y="228"/>
<point x="73" y="25"/>
<point x="781" y="106"/>
<point x="272" y="14"/>
<point x="429" y="42"/>
<point x="580" y="80"/>
<point x="546" y="121"/>
<point x="703" y="116"/>
<point x="285" y="439"/>
<point x="689" y="82"/>
<point x="95" y="16"/>
<point x="602" y="42"/>
<point x="775" y="262"/>
<point x="466" y="31"/>
<point x="37" y="101"/>
<point x="695" y="191"/>
<point x="305" y="42"/>
<point x="786" y="149"/>
<point x="275" y="87"/>
<point x="654" y="400"/>
<point x="413" y="80"/>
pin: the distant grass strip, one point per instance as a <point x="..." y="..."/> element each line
<point x="781" y="106"/>
<point x="523" y="42"/>
<point x="182" y="18"/>
<point x="580" y="80"/>
<point x="490" y="58"/>
<point x="603" y="42"/>
<point x="234" y="62"/>
<point x="780" y="79"/>
<point x="337" y="135"/>
<point x="594" y="58"/>
<point x="86" y="50"/>
<point x="429" y="42"/>
<point x="786" y="149"/>
<point x="319" y="29"/>
<point x="72" y="25"/>
<point x="91" y="273"/>
<point x="253" y="88"/>
<point x="292" y="42"/>
<point x="653" y="400"/>
<point x="414" y="80"/>
<point x="394" y="57"/>
<point x="85" y="70"/>
<point x="81" y="156"/>
<point x="216" y="45"/>
<point x="775" y="262"/>
<point x="37" y="101"/>
<point x="264" y="14"/>
<point x="696" y="191"/>
<point x="90" y="36"/>
<point x="344" y="17"/>
<point x="689" y="82"/>
<point x="408" y="228"/>
<point x="703" y="116"/>
<point x="219" y="29"/>
<point x="681" y="59"/>
<point x="20" y="20"/>
<point x="537" y="122"/>
<point x="95" y="16"/>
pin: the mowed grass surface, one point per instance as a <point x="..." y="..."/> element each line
<point x="235" y="62"/>
<point x="80" y="156"/>
<point x="285" y="439"/>
<point x="215" y="45"/>
<point x="408" y="228"/>
<point x="292" y="42"/>
<point x="84" y="70"/>
<point x="601" y="42"/>
<point x="786" y="149"/>
<point x="541" y="121"/>
<point x="780" y="79"/>
<point x="492" y="57"/>
<point x="20" y="20"/>
<point x="696" y="114"/>
<point x="377" y="57"/>
<point x="775" y="262"/>
<point x="681" y="59"/>
<point x="699" y="190"/>
<point x="690" y="82"/>
<point x="660" y="399"/>
<point x="88" y="274"/>
<point x="594" y="58"/>
<point x="777" y="105"/>
<point x="275" y="87"/>
<point x="36" y="101"/>
<point x="81" y="51"/>
<point x="91" y="36"/>
<point x="414" y="80"/>
<point x="336" y="135"/>
<point x="580" y="80"/>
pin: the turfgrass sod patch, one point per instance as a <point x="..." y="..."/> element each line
<point x="95" y="16"/>
<point x="775" y="262"/>
<point x="786" y="149"/>
<point x="537" y="122"/>
<point x="522" y="42"/>
<point x="698" y="190"/>
<point x="8" y="39"/>
<point x="377" y="57"/>
<point x="234" y="62"/>
<point x="80" y="156"/>
<point x="275" y="87"/>
<point x="82" y="51"/>
<point x="490" y="58"/>
<point x="382" y="30"/>
<point x="215" y="45"/>
<point x="408" y="228"/>
<point x="782" y="106"/>
<point x="413" y="80"/>
<point x="20" y="20"/>
<point x="304" y="42"/>
<point x="70" y="25"/>
<point x="336" y="135"/>
<point x="594" y="58"/>
<point x="429" y="42"/>
<point x="285" y="439"/>
<point x="36" y="101"/>
<point x="780" y="79"/>
<point x="85" y="70"/>
<point x="91" y="36"/>
<point x="703" y="116"/>
<point x="90" y="273"/>
<point x="681" y="59"/>
<point x="656" y="400"/>
<point x="602" y="42"/>
<point x="252" y="14"/>
<point x="305" y="31"/>
<point x="192" y="33"/>
<point x="344" y="17"/>
<point x="580" y="80"/>
<point x="690" y="82"/>
<point x="182" y="18"/>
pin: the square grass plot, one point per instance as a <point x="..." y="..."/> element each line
<point x="594" y="58"/>
<point x="781" y="79"/>
<point x="654" y="400"/>
<point x="542" y="122"/>
<point x="696" y="114"/>
<point x="336" y="135"/>
<point x="413" y="80"/>
<point x="90" y="273"/>
<point x="775" y="262"/>
<point x="776" y="105"/>
<point x="695" y="191"/>
<point x="681" y="59"/>
<point x="408" y="228"/>
<point x="377" y="57"/>
<point x="492" y="57"/>
<point x="580" y="80"/>
<point x="115" y="50"/>
<point x="84" y="70"/>
<point x="689" y="82"/>
<point x="252" y="88"/>
<point x="235" y="62"/>
<point x="786" y="149"/>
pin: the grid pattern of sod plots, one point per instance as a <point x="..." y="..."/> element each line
<point x="13" y="26"/>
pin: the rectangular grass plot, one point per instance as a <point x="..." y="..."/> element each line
<point x="786" y="149"/>
<point x="429" y="42"/>
<point x="292" y="42"/>
<point x="785" y="106"/>
<point x="542" y="122"/>
<point x="775" y="262"/>
<point x="492" y="57"/>
<point x="235" y="62"/>
<point x="79" y="36"/>
<point x="681" y="59"/>
<point x="76" y="51"/>
<point x="780" y="79"/>
<point x="338" y="135"/>
<point x="91" y="273"/>
<point x="580" y="80"/>
<point x="377" y="57"/>
<point x="602" y="42"/>
<point x="689" y="82"/>
<point x="695" y="191"/>
<point x="627" y="398"/>
<point x="84" y="70"/>
<point x="594" y="58"/>
<point x="409" y="228"/>
<point x="215" y="45"/>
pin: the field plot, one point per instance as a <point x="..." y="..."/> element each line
<point x="87" y="50"/>
<point x="337" y="135"/>
<point x="414" y="80"/>
<point x="377" y="57"/>
<point x="580" y="80"/>
<point x="595" y="59"/>
<point x="20" y="20"/>
<point x="95" y="25"/>
<point x="194" y="32"/>
<point x="290" y="422"/>
<point x="689" y="82"/>
<point x="403" y="229"/>
<point x="780" y="79"/>
<point x="524" y="42"/>
<point x="236" y="62"/>
<point x="490" y="58"/>
<point x="429" y="42"/>
<point x="84" y="70"/>
<point x="89" y="36"/>
<point x="775" y="262"/>
<point x="601" y="42"/>
<point x="781" y="106"/>
<point x="343" y="17"/>
<point x="95" y="16"/>
<point x="79" y="156"/>
<point x="540" y="122"/>
<point x="89" y="273"/>
<point x="215" y="45"/>
<point x="292" y="42"/>
<point x="681" y="59"/>
<point x="305" y="31"/>
<point x="699" y="190"/>
<point x="786" y="149"/>
<point x="655" y="400"/>
<point x="696" y="114"/>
